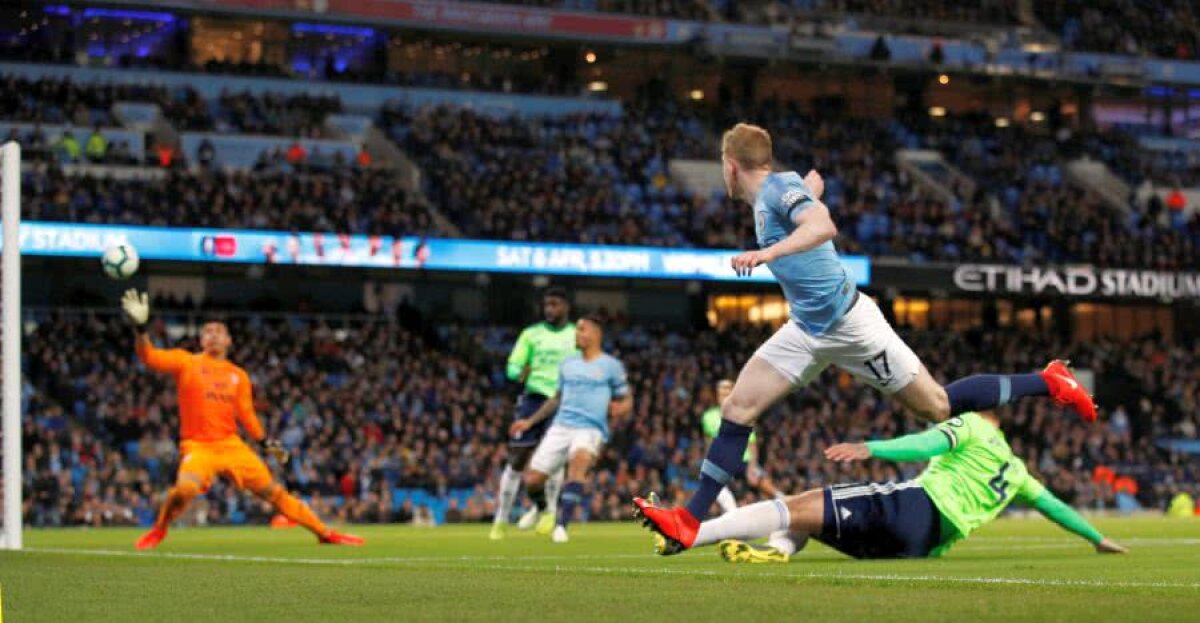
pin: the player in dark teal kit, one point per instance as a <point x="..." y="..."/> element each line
<point x="534" y="363"/>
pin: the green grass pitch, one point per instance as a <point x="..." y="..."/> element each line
<point x="1014" y="570"/>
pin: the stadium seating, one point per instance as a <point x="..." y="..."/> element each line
<point x="306" y="196"/>
<point x="601" y="176"/>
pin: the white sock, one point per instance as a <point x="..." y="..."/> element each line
<point x="748" y="522"/>
<point x="510" y="484"/>
<point x="554" y="486"/>
<point x="726" y="500"/>
<point x="782" y="541"/>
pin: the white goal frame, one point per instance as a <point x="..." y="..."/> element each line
<point x="10" y="351"/>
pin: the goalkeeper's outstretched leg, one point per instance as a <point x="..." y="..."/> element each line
<point x="296" y="510"/>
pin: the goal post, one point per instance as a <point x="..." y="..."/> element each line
<point x="10" y="350"/>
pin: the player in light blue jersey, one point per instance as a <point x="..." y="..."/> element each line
<point x="591" y="389"/>
<point x="830" y="324"/>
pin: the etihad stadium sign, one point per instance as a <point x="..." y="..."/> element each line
<point x="1077" y="281"/>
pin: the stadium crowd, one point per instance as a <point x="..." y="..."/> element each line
<point x="62" y="101"/>
<point x="343" y="197"/>
<point x="606" y="179"/>
<point x="405" y="420"/>
<point x="1160" y="28"/>
<point x="586" y="178"/>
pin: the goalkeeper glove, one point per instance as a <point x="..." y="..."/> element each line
<point x="137" y="307"/>
<point x="274" y="449"/>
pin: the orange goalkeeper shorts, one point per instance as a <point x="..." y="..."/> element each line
<point x="231" y="458"/>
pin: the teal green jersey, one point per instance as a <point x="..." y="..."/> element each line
<point x="710" y="422"/>
<point x="542" y="347"/>
<point x="977" y="478"/>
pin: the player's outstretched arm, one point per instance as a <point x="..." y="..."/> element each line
<point x="814" y="227"/>
<point x="1066" y="517"/>
<point x="136" y="306"/>
<point x="548" y="408"/>
<point x="917" y="447"/>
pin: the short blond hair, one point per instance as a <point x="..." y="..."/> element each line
<point x="748" y="145"/>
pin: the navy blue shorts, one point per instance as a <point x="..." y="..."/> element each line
<point x="527" y="405"/>
<point x="881" y="520"/>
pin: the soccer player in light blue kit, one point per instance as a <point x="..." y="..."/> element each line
<point x="591" y="388"/>
<point x="830" y="324"/>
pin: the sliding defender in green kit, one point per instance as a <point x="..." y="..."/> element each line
<point x="972" y="476"/>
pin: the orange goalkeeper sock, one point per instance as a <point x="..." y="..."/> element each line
<point x="295" y="509"/>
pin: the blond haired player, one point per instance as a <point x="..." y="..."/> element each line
<point x="829" y="324"/>
<point x="214" y="397"/>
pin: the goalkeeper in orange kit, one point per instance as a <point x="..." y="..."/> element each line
<point x="214" y="397"/>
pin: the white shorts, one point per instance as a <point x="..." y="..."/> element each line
<point x="561" y="443"/>
<point x="861" y="343"/>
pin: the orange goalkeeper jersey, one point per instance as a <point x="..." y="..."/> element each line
<point x="214" y="394"/>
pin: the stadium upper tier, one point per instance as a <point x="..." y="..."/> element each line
<point x="570" y="170"/>
<point x="773" y="11"/>
<point x="1160" y="28"/>
<point x="1168" y="29"/>
<point x="384" y="420"/>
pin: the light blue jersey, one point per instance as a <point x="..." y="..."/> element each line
<point x="816" y="285"/>
<point x="586" y="388"/>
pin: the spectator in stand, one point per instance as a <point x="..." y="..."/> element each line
<point x="206" y="154"/>
<point x="1176" y="201"/>
<point x="96" y="146"/>
<point x="67" y="148"/>
<point x="296" y="154"/>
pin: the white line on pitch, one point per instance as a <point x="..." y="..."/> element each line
<point x="876" y="577"/>
<point x="619" y="570"/>
<point x="319" y="561"/>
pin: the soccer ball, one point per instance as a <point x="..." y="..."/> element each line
<point x="120" y="261"/>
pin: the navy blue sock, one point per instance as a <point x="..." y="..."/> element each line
<point x="572" y="495"/>
<point x="988" y="391"/>
<point x="723" y="463"/>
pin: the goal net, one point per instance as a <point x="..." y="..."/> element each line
<point x="10" y="347"/>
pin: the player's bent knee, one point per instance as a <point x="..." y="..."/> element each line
<point x="519" y="458"/>
<point x="270" y="493"/>
<point x="740" y="409"/>
<point x="926" y="399"/>
<point x="188" y="486"/>
<point x="580" y="464"/>
<point x="936" y="406"/>
<point x="534" y="478"/>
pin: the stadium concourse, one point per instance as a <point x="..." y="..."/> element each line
<point x="404" y="421"/>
